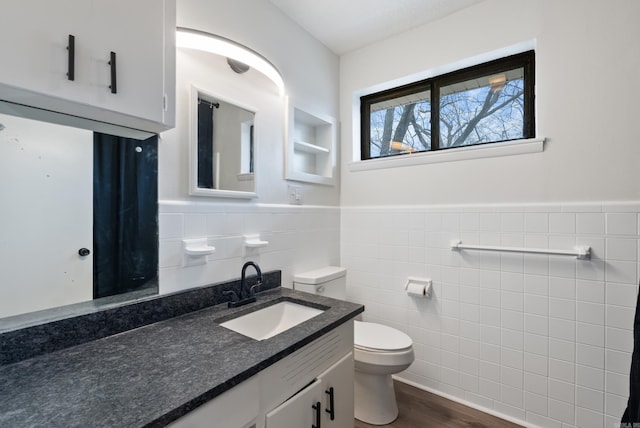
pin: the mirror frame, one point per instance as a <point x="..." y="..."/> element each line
<point x="194" y="190"/>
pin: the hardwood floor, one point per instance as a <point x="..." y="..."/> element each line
<point x="420" y="408"/>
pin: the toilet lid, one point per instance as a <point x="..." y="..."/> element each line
<point x="380" y="337"/>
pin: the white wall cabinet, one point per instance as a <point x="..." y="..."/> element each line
<point x="34" y="40"/>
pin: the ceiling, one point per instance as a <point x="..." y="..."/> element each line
<point x="345" y="25"/>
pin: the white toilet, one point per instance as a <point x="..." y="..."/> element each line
<point x="379" y="350"/>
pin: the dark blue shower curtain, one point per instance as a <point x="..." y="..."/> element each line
<point x="631" y="416"/>
<point x="205" y="144"/>
<point x="125" y="214"/>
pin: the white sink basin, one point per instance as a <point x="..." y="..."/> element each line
<point x="265" y="323"/>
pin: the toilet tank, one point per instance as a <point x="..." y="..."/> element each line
<point x="329" y="281"/>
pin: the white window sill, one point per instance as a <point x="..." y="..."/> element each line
<point x="489" y="150"/>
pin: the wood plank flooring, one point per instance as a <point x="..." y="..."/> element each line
<point x="420" y="408"/>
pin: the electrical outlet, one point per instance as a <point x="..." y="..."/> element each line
<point x="295" y="195"/>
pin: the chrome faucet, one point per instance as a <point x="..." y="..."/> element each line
<point x="245" y="296"/>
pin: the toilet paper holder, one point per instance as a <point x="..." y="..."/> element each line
<point x="418" y="287"/>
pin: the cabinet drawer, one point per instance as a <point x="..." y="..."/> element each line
<point x="292" y="373"/>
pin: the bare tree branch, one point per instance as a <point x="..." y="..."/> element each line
<point x="386" y="135"/>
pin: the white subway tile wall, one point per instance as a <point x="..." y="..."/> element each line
<point x="546" y="340"/>
<point x="300" y="238"/>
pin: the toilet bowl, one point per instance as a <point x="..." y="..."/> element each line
<point x="379" y="351"/>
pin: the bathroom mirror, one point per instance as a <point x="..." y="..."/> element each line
<point x="58" y="239"/>
<point x="222" y="146"/>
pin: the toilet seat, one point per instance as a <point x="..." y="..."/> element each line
<point x="373" y="337"/>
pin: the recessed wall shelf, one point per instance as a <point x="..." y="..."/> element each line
<point x="311" y="147"/>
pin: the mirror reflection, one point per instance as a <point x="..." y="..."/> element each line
<point x="79" y="218"/>
<point x="222" y="147"/>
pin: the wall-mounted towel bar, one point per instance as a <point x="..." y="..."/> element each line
<point x="580" y="252"/>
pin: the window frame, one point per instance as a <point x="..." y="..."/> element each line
<point x="525" y="60"/>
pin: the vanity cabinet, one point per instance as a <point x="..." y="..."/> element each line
<point x="326" y="403"/>
<point x="317" y="365"/>
<point x="337" y="388"/>
<point x="294" y="392"/>
<point x="135" y="91"/>
<point x="235" y="408"/>
<point x="302" y="410"/>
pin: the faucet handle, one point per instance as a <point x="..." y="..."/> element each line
<point x="252" y="290"/>
<point x="233" y="294"/>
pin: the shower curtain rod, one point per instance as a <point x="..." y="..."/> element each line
<point x="580" y="252"/>
<point x="211" y="104"/>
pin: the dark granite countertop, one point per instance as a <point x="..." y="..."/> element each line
<point x="152" y="375"/>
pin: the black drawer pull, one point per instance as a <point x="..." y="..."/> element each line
<point x="317" y="407"/>
<point x="71" y="58"/>
<point x="114" y="84"/>
<point x="331" y="410"/>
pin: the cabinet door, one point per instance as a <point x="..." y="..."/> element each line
<point x="33" y="41"/>
<point x="236" y="408"/>
<point x="301" y="411"/>
<point x="134" y="31"/>
<point x="337" y="390"/>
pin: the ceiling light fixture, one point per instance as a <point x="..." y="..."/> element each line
<point x="237" y="66"/>
<point x="207" y="42"/>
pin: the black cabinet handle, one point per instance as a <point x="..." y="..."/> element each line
<point x="317" y="407"/>
<point x="71" y="58"/>
<point x="331" y="410"/>
<point x="114" y="84"/>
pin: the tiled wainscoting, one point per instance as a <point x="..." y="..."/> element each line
<point x="544" y="340"/>
<point x="299" y="237"/>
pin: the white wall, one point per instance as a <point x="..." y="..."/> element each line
<point x="586" y="57"/>
<point x="545" y="340"/>
<point x="310" y="73"/>
<point x="300" y="237"/>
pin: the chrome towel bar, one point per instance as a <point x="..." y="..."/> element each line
<point x="580" y="252"/>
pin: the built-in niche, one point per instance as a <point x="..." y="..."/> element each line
<point x="311" y="147"/>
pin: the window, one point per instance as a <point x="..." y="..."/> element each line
<point x="488" y="103"/>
